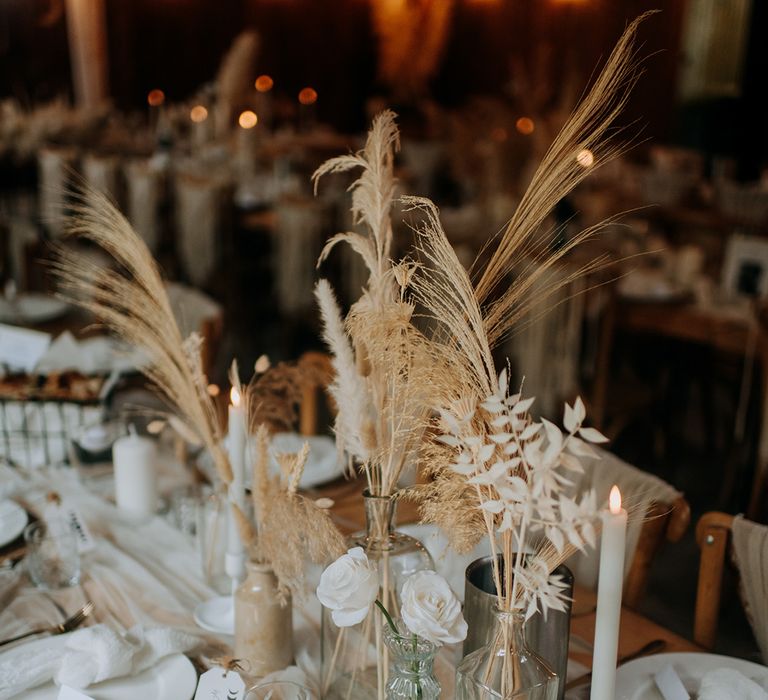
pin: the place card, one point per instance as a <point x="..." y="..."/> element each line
<point x="67" y="693"/>
<point x="21" y="348"/>
<point x="220" y="684"/>
<point x="69" y="515"/>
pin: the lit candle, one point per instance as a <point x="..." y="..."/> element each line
<point x="246" y="142"/>
<point x="236" y="430"/>
<point x="307" y="102"/>
<point x="234" y="561"/>
<point x="610" y="582"/>
<point x="134" y="459"/>
<point x="199" y="117"/>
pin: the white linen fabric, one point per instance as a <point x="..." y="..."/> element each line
<point x="98" y="653"/>
<point x="88" y="656"/>
<point x="144" y="191"/>
<point x="53" y="165"/>
<point x="639" y="491"/>
<point x="198" y="214"/>
<point x="729" y="684"/>
<point x="750" y="554"/>
<point x="297" y="243"/>
<point x="101" y="173"/>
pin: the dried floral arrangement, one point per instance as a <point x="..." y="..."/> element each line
<point x="131" y="301"/>
<point x="497" y="471"/>
<point x="384" y="365"/>
<point x="287" y="527"/>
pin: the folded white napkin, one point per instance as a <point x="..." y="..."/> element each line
<point x="99" y="354"/>
<point x="729" y="684"/>
<point x="97" y="653"/>
<point x="87" y="656"/>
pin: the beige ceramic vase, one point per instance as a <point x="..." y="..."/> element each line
<point x="263" y="624"/>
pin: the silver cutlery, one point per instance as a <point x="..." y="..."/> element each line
<point x="71" y="623"/>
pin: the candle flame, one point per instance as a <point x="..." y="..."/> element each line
<point x="234" y="395"/>
<point x="248" y="119"/>
<point x="525" y="125"/>
<point x="614" y="501"/>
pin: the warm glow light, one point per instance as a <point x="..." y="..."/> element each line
<point x="585" y="158"/>
<point x="264" y="83"/>
<point x="234" y="396"/>
<point x="614" y="501"/>
<point x="198" y="114"/>
<point x="155" y="98"/>
<point x="499" y="134"/>
<point x="247" y="119"/>
<point x="308" y="96"/>
<point x="525" y="125"/>
<point x="213" y="390"/>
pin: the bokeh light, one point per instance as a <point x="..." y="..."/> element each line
<point x="247" y="119"/>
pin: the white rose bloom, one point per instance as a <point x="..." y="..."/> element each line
<point x="348" y="587"/>
<point x="431" y="610"/>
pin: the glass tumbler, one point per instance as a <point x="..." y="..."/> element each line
<point x="53" y="560"/>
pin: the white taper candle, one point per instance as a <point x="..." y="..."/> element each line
<point x="610" y="583"/>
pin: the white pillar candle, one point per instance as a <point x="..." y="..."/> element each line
<point x="86" y="29"/>
<point x="610" y="583"/>
<point x="135" y="459"/>
<point x="235" y="557"/>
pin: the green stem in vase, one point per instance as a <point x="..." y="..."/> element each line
<point x="387" y="616"/>
<point x="415" y="666"/>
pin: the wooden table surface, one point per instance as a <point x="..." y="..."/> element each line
<point x="635" y="632"/>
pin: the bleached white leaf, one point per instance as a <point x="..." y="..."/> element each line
<point x="500" y="421"/>
<point x="450" y="422"/>
<point x="510" y="448"/>
<point x="579" y="410"/>
<point x="506" y="522"/>
<point x="575" y="539"/>
<point x="483" y="479"/>
<point x="501" y="438"/>
<point x="592" y="435"/>
<point x="530" y="431"/>
<point x="569" y="419"/>
<point x="522" y="406"/>
<point x="554" y="435"/>
<point x="451" y="440"/>
<point x="473" y="441"/>
<point x="494" y="507"/>
<point x="493" y="405"/>
<point x="580" y="448"/>
<point x="464" y="469"/>
<point x="503" y="382"/>
<point x="588" y="533"/>
<point x="486" y="452"/>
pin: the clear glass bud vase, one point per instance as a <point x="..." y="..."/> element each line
<point x="506" y="668"/>
<point x="355" y="660"/>
<point x="411" y="675"/>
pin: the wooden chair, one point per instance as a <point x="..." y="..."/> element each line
<point x="319" y="375"/>
<point x="712" y="535"/>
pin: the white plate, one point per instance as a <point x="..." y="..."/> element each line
<point x="32" y="308"/>
<point x="216" y="615"/>
<point x="634" y="681"/>
<point x="323" y="464"/>
<point x="173" y="678"/>
<point x="13" y="520"/>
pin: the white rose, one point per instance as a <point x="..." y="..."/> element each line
<point x="431" y="610"/>
<point x="348" y="587"/>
